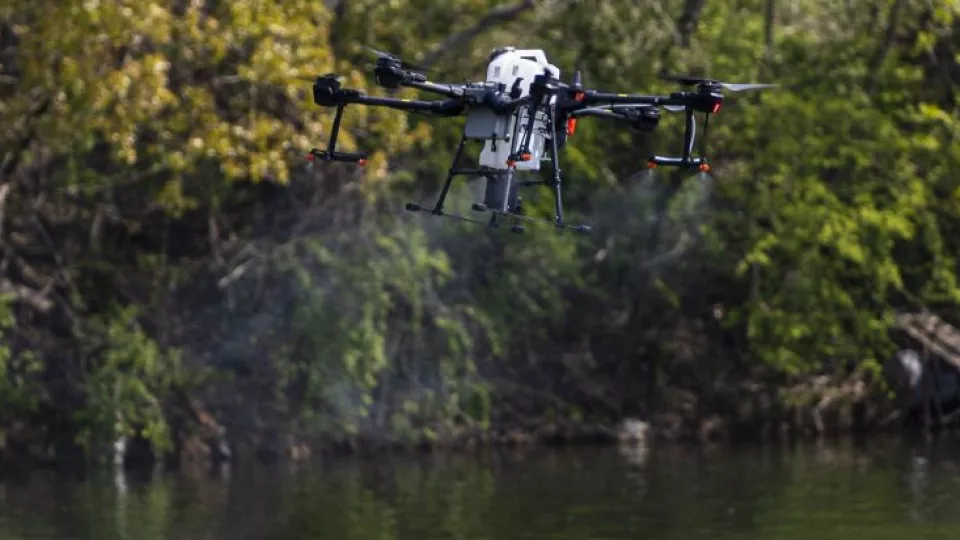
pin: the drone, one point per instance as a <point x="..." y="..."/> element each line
<point x="524" y="115"/>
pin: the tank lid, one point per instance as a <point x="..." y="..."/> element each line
<point x="500" y="50"/>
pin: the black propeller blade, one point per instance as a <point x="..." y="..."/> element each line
<point x="733" y="87"/>
<point x="403" y="63"/>
<point x="313" y="78"/>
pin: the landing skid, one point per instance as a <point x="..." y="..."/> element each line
<point x="584" y="229"/>
<point x="494" y="222"/>
<point x="414" y="207"/>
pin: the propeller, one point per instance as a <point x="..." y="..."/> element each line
<point x="403" y="63"/>
<point x="733" y="87"/>
<point x="339" y="78"/>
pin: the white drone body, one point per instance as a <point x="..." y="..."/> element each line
<point x="502" y="132"/>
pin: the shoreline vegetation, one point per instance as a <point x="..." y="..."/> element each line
<point x="177" y="281"/>
<point x="808" y="411"/>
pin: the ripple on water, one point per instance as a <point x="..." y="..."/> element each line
<point x="880" y="490"/>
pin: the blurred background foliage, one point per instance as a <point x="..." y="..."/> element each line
<point x="170" y="261"/>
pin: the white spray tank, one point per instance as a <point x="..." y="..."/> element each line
<point x="506" y="68"/>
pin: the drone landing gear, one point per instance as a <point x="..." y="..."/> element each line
<point x="687" y="161"/>
<point x="555" y="181"/>
<point x="414" y="207"/>
<point x="500" y="197"/>
<point x="437" y="209"/>
<point x="495" y="214"/>
<point x="503" y="210"/>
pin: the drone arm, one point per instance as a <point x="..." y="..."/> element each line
<point x="447" y="107"/>
<point x="449" y="90"/>
<point x="593" y="97"/>
<point x="390" y="73"/>
<point x="599" y="113"/>
<point x="450" y="107"/>
<point x="328" y="93"/>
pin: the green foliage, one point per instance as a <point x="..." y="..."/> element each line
<point x="127" y="387"/>
<point x="843" y="184"/>
<point x="359" y="294"/>
<point x="19" y="385"/>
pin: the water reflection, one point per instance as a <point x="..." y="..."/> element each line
<point x="884" y="488"/>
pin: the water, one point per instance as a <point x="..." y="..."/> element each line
<point x="879" y="489"/>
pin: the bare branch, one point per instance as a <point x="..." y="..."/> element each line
<point x="339" y="9"/>
<point x="768" y="30"/>
<point x="4" y="191"/>
<point x="687" y="24"/>
<point x="213" y="235"/>
<point x="462" y="38"/>
<point x="12" y="160"/>
<point x="35" y="299"/>
<point x="883" y="49"/>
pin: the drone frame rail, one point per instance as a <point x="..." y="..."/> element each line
<point x="327" y="92"/>
<point x="578" y="102"/>
<point x="561" y="103"/>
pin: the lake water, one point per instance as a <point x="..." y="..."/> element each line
<point x="878" y="489"/>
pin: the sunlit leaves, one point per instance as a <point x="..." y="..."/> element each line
<point x="228" y="82"/>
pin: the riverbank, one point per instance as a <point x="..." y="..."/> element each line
<point x="810" y="410"/>
<point x="204" y="425"/>
<point x="815" y="408"/>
